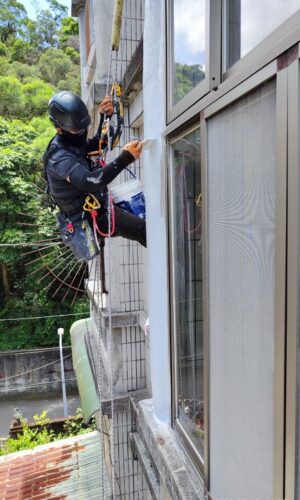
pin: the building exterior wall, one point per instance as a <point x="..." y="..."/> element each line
<point x="243" y="116"/>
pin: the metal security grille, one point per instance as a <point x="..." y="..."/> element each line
<point x="133" y="356"/>
<point x="122" y="346"/>
<point x="130" y="480"/>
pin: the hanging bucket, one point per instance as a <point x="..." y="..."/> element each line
<point x="130" y="197"/>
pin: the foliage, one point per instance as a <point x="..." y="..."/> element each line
<point x="37" y="94"/>
<point x="37" y="58"/>
<point x="74" y="427"/>
<point x="187" y="77"/>
<point x="44" y="434"/>
<point x="12" y="102"/>
<point x="12" y="18"/>
<point x="23" y="52"/>
<point x="21" y="147"/>
<point x="53" y="65"/>
<point x="20" y="70"/>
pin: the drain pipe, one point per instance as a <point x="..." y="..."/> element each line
<point x="116" y="26"/>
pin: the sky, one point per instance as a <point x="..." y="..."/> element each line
<point x="30" y="5"/>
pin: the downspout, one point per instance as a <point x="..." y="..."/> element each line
<point x="116" y="26"/>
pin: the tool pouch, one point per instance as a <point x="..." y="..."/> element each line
<point x="77" y="234"/>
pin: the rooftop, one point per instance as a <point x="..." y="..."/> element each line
<point x="64" y="469"/>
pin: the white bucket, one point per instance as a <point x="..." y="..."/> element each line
<point x="130" y="197"/>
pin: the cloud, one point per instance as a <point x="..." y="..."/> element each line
<point x="260" y="17"/>
<point x="189" y="27"/>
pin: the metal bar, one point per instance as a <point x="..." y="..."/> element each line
<point x="293" y="271"/>
<point x="39" y="258"/>
<point x="280" y="280"/>
<point x="206" y="341"/>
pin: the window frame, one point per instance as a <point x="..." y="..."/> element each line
<point x="212" y="63"/>
<point x="274" y="44"/>
<point x="203" y="464"/>
<point x="198" y="460"/>
<point x="256" y="80"/>
<point x="268" y="59"/>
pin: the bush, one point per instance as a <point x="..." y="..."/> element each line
<point x="12" y="103"/>
<point x="43" y="434"/>
<point x="37" y="94"/>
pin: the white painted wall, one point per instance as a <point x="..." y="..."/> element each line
<point x="155" y="190"/>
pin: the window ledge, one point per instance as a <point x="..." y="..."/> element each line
<point x="177" y="475"/>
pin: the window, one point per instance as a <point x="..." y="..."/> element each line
<point x="241" y="171"/>
<point x="187" y="279"/>
<point x="248" y="22"/>
<point x="189" y="46"/>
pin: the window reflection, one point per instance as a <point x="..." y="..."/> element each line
<point x="248" y="22"/>
<point x="189" y="46"/>
<point x="188" y="285"/>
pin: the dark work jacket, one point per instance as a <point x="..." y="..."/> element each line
<point x="63" y="161"/>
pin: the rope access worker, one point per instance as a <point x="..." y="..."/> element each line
<point x="70" y="173"/>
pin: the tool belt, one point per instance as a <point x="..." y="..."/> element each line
<point x="77" y="234"/>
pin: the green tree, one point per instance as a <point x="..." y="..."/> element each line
<point x="54" y="65"/>
<point x="12" y="19"/>
<point x="20" y="70"/>
<point x="48" y="24"/>
<point x="37" y="94"/>
<point x="187" y="77"/>
<point x="3" y="50"/>
<point x="68" y="35"/>
<point x="24" y="52"/>
<point x="37" y="58"/>
<point x="12" y="103"/>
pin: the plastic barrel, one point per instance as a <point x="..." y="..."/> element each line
<point x="130" y="197"/>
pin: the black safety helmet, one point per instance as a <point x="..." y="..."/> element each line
<point x="67" y="111"/>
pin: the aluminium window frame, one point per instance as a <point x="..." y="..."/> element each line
<point x="212" y="62"/>
<point x="277" y="42"/>
<point x="198" y="460"/>
<point x="265" y="74"/>
<point x="263" y="62"/>
<point x="292" y="466"/>
<point x="256" y="80"/>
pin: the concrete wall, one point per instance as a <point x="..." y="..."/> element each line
<point x="155" y="173"/>
<point x="20" y="372"/>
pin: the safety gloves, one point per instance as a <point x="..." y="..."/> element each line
<point x="134" y="148"/>
<point x="106" y="107"/>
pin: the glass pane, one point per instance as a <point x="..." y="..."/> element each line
<point x="188" y="284"/>
<point x="241" y="241"/>
<point x="189" y="46"/>
<point x="250" y="21"/>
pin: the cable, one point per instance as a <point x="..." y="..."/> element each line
<point x="35" y="385"/>
<point x="34" y="369"/>
<point x="43" y="317"/>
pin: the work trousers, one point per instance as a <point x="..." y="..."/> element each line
<point x="126" y="224"/>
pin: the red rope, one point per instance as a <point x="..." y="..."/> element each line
<point x="113" y="220"/>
